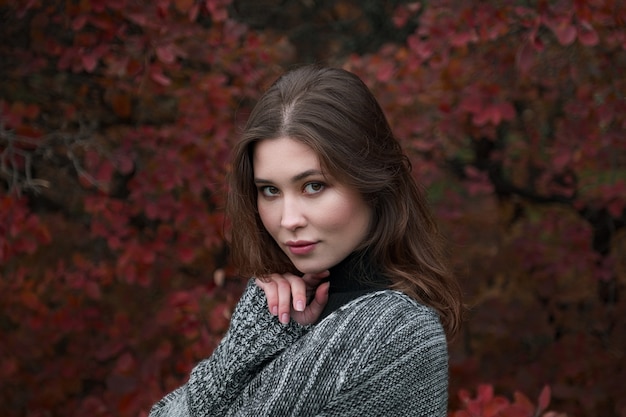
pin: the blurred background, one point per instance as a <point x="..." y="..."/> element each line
<point x="116" y="121"/>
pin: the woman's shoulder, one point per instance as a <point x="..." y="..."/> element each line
<point x="392" y="302"/>
<point x="387" y="334"/>
<point x="388" y="312"/>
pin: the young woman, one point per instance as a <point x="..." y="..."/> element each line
<point x="353" y="298"/>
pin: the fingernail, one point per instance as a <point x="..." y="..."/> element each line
<point x="300" y="305"/>
<point x="284" y="318"/>
<point x="275" y="311"/>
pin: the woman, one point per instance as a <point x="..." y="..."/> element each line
<point x="353" y="300"/>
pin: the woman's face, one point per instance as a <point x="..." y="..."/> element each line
<point x="315" y="220"/>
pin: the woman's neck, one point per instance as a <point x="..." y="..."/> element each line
<point x="356" y="272"/>
<point x="351" y="278"/>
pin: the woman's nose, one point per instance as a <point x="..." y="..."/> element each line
<point x="292" y="215"/>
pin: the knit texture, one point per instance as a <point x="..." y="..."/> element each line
<point x="382" y="354"/>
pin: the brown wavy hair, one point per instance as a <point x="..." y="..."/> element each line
<point x="333" y="112"/>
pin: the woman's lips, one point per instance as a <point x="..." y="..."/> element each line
<point x="301" y="247"/>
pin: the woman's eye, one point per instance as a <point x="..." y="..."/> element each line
<point x="313" y="187"/>
<point x="269" y="191"/>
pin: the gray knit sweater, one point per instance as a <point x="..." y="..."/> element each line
<point x="382" y="354"/>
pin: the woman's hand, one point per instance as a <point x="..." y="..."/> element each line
<point x="288" y="296"/>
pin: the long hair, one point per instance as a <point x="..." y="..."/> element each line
<point x="333" y="112"/>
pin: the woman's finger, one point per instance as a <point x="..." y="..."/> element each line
<point x="271" y="293"/>
<point x="320" y="300"/>
<point x="288" y="295"/>
<point x="312" y="281"/>
<point x="284" y="298"/>
<point x="315" y="308"/>
<point x="298" y="291"/>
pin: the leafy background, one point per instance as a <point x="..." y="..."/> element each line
<point x="116" y="120"/>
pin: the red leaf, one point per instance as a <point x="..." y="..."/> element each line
<point x="564" y="31"/>
<point x="179" y="298"/>
<point x="193" y="12"/>
<point x="544" y="398"/>
<point x="166" y="53"/>
<point x="89" y="62"/>
<point x="422" y="48"/>
<point x="385" y="71"/>
<point x="160" y="78"/>
<point x="105" y="171"/>
<point x="218" y="10"/>
<point x="484" y="392"/>
<point x="124" y="163"/>
<point x="523" y="402"/>
<point x="587" y="34"/>
<point x="404" y="12"/>
<point x="125" y="364"/>
<point x="138" y="18"/>
<point x="183" y="6"/>
<point x="92" y="289"/>
<point x="495" y="406"/>
<point x="79" y="22"/>
<point x="464" y="396"/>
<point x="460" y="39"/>
<point x="486" y="115"/>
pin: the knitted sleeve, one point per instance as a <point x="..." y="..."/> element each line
<point x="254" y="336"/>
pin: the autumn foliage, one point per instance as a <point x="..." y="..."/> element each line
<point x="116" y="120"/>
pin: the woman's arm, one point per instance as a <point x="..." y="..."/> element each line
<point x="254" y="336"/>
<point x="381" y="355"/>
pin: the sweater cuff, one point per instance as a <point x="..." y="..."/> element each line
<point x="254" y="336"/>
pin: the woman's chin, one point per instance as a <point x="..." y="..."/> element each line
<point x="310" y="269"/>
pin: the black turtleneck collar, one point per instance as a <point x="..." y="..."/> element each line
<point x="351" y="278"/>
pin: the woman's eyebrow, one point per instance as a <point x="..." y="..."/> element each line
<point x="297" y="178"/>
<point x="305" y="174"/>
